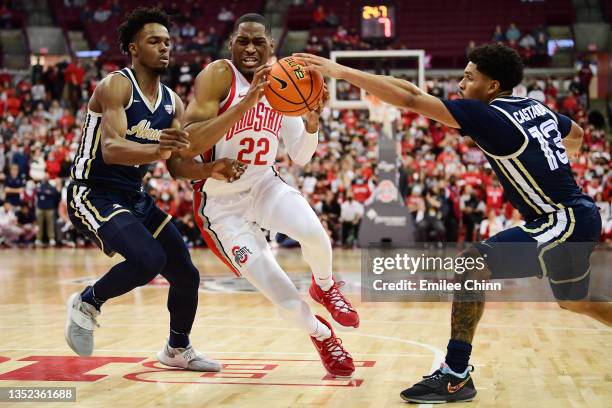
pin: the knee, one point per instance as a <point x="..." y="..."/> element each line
<point x="149" y="265"/>
<point x="187" y="278"/>
<point x="476" y="272"/>
<point x="313" y="233"/>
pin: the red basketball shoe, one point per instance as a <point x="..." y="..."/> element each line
<point x="334" y="301"/>
<point x="336" y="360"/>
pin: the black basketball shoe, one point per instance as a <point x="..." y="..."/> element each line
<point x="442" y="386"/>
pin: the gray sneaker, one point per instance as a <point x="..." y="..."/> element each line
<point x="187" y="358"/>
<point x="80" y="324"/>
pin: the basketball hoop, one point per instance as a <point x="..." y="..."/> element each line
<point x="376" y="108"/>
<point x="381" y="113"/>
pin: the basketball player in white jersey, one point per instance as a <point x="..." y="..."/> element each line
<point x="230" y="118"/>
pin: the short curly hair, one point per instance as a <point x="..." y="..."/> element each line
<point x="500" y="63"/>
<point x="251" y="18"/>
<point x="136" y="20"/>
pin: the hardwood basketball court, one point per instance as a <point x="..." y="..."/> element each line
<point x="526" y="354"/>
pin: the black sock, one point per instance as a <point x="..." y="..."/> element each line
<point x="88" y="297"/>
<point x="458" y="355"/>
<point x="178" y="339"/>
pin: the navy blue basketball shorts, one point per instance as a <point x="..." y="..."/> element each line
<point x="556" y="246"/>
<point x="99" y="212"/>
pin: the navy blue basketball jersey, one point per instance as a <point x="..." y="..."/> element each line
<point x="145" y="121"/>
<point x="521" y="139"/>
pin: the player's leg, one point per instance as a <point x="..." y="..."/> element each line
<point x="114" y="231"/>
<point x="453" y="382"/>
<point x="267" y="276"/>
<point x="293" y="216"/>
<point x="184" y="279"/>
<point x="144" y="259"/>
<point x="242" y="247"/>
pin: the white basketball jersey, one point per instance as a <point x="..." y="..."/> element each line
<point x="252" y="140"/>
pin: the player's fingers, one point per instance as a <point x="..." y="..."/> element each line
<point x="325" y="98"/>
<point x="318" y="68"/>
<point x="236" y="164"/>
<point x="263" y="68"/>
<point x="165" y="142"/>
<point x="175" y="132"/>
<point x="305" y="56"/>
<point x="175" y="144"/>
<point x="261" y="88"/>
<point x="182" y="139"/>
<point x="261" y="72"/>
<point x="311" y="61"/>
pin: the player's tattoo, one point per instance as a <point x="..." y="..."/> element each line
<point x="468" y="305"/>
<point x="464" y="319"/>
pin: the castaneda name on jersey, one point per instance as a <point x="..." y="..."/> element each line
<point x="258" y="118"/>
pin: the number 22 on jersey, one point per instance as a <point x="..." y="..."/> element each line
<point x="253" y="152"/>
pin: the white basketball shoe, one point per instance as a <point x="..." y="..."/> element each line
<point x="80" y="324"/>
<point x="187" y="358"/>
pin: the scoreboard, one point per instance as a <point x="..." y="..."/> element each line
<point x="378" y="22"/>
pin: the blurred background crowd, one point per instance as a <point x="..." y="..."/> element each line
<point x="445" y="181"/>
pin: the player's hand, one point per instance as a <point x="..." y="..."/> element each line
<point x="325" y="66"/>
<point x="227" y="170"/>
<point x="172" y="140"/>
<point x="312" y="117"/>
<point x="256" y="90"/>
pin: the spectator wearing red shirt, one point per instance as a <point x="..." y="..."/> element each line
<point x="495" y="197"/>
<point x="550" y="89"/>
<point x="73" y="82"/>
<point x="13" y="103"/>
<point x="350" y="119"/>
<point x="360" y="188"/>
<point x="472" y="177"/>
<point x="53" y="164"/>
<point x="318" y="16"/>
<point x="437" y="136"/>
<point x="570" y="104"/>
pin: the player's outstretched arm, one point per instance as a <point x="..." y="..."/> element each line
<point x="202" y="119"/>
<point x="112" y="94"/>
<point x="187" y="168"/>
<point x="391" y="90"/>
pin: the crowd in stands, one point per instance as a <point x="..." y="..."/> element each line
<point x="450" y="190"/>
<point x="445" y="182"/>
<point x="532" y="45"/>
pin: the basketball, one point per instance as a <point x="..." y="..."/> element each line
<point x="291" y="90"/>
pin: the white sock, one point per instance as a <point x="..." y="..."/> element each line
<point x="325" y="283"/>
<point x="322" y="332"/>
